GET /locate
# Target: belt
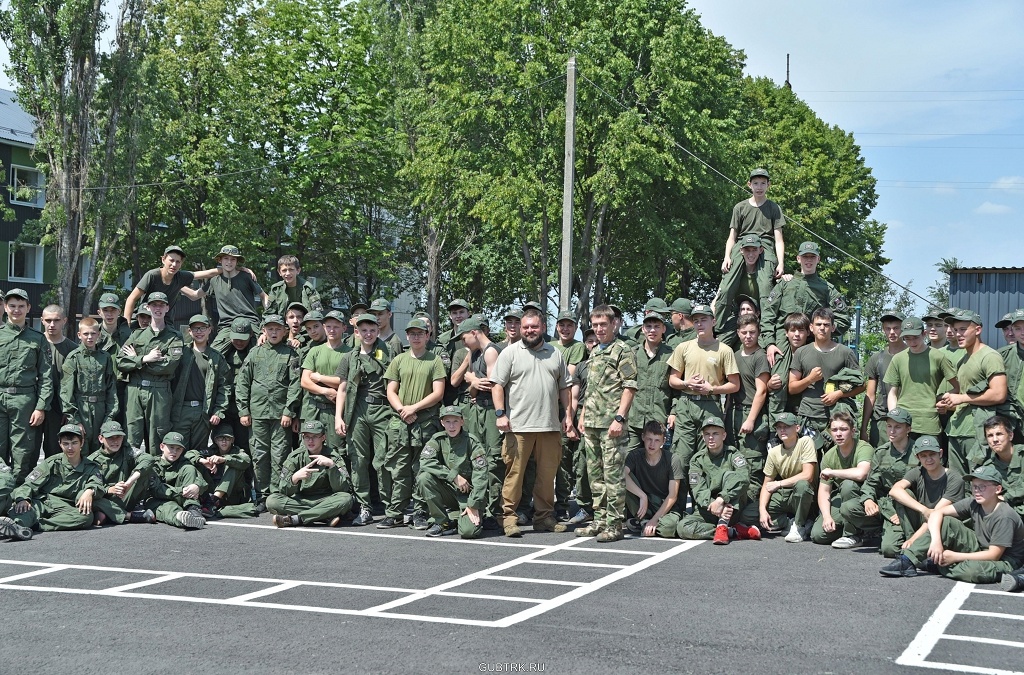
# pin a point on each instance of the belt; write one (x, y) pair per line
(17, 390)
(91, 399)
(158, 384)
(193, 404)
(487, 404)
(320, 405)
(701, 397)
(373, 400)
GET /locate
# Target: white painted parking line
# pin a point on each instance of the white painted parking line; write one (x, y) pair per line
(916, 654)
(617, 550)
(397, 608)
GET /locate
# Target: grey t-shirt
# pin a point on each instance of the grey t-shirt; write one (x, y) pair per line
(929, 492)
(532, 380)
(1003, 527)
(831, 362)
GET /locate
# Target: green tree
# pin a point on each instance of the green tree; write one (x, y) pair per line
(938, 293)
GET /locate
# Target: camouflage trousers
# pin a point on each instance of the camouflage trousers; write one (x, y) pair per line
(606, 458)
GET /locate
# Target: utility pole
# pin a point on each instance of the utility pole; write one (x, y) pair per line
(565, 272)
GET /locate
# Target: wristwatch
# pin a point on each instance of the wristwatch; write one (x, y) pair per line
(620, 419)
(499, 412)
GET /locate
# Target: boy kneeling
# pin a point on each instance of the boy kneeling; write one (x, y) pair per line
(982, 555)
(314, 485)
(453, 476)
(719, 478)
(787, 494)
(653, 479)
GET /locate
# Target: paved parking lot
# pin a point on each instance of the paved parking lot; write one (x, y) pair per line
(243, 596)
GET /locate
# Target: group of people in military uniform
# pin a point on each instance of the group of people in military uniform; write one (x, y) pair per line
(722, 421)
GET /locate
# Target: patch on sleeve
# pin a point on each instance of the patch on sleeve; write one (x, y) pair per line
(839, 303)
(739, 461)
(285, 476)
(694, 477)
(480, 461)
(293, 363)
(175, 351)
(36, 473)
(429, 451)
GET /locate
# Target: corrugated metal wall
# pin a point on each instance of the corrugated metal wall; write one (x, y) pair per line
(991, 293)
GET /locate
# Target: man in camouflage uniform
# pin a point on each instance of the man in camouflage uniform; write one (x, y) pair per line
(150, 358)
(26, 386)
(610, 390)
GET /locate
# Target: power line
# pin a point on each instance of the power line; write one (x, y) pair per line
(910, 91)
(743, 188)
(916, 133)
(919, 100)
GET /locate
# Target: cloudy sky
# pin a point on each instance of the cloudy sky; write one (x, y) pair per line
(934, 94)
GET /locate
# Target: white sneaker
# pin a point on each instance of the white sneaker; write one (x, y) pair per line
(847, 542)
(796, 534)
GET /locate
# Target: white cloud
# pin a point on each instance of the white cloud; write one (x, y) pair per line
(1012, 184)
(990, 209)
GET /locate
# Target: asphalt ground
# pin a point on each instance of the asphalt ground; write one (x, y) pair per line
(244, 597)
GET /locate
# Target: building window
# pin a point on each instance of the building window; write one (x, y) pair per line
(28, 186)
(25, 263)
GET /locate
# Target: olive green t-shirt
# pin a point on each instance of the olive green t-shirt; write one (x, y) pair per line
(979, 367)
(750, 366)
(919, 378)
(833, 459)
(806, 359)
(761, 220)
(715, 362)
(416, 377)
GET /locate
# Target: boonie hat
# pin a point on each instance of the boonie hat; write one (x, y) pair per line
(230, 251)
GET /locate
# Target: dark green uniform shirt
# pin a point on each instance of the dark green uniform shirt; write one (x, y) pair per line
(463, 455)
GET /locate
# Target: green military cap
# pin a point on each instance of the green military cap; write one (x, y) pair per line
(616, 310)
(380, 305)
(272, 319)
(111, 428)
(223, 429)
(514, 314)
(415, 324)
(369, 318)
(241, 329)
(654, 315)
(900, 416)
(681, 305)
(759, 173)
(472, 323)
(174, 438)
(451, 411)
(566, 316)
(702, 310)
(713, 422)
(1007, 320)
(741, 297)
(786, 418)
(72, 429)
(655, 304)
(334, 314)
(18, 293)
(356, 306)
(533, 305)
(459, 302)
(155, 296)
(297, 305)
(144, 309)
(892, 315)
(964, 315)
(230, 251)
(750, 241)
(911, 326)
(109, 300)
(174, 248)
(589, 331)
(949, 311)
(808, 248)
(422, 315)
(927, 444)
(315, 427)
(986, 472)
(934, 314)
(199, 318)
(315, 315)
(1017, 315)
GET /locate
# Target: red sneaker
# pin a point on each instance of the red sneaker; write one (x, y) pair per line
(747, 532)
(721, 535)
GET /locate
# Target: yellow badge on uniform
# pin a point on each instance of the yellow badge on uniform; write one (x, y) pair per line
(830, 387)
(379, 355)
